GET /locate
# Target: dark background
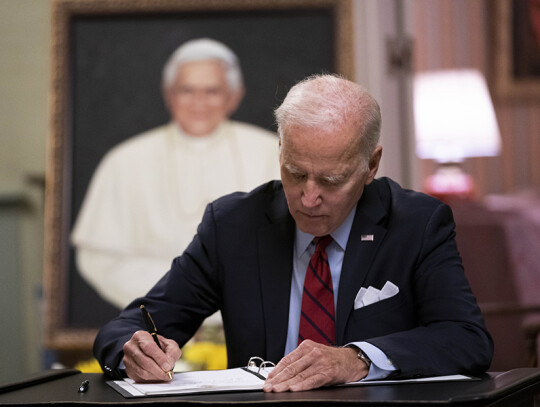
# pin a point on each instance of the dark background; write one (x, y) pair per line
(116, 63)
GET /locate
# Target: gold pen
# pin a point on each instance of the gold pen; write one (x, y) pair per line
(152, 330)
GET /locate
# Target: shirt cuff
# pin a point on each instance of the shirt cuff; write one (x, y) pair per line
(381, 366)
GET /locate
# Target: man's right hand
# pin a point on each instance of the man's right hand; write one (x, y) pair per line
(145, 362)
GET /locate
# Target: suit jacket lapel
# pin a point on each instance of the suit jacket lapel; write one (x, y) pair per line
(359, 254)
(275, 243)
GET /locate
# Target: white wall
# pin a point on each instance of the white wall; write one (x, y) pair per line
(376, 23)
(24, 82)
(24, 75)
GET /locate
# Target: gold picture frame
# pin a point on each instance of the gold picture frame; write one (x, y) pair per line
(64, 326)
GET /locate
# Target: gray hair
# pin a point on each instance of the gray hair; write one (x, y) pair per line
(203, 49)
(331, 103)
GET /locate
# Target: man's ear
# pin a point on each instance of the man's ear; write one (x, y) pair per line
(235, 97)
(374, 162)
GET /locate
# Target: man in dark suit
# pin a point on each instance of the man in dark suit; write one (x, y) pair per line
(392, 300)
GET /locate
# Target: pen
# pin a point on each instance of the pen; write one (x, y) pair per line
(152, 330)
(84, 386)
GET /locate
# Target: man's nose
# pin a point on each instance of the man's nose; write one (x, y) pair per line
(311, 196)
(200, 96)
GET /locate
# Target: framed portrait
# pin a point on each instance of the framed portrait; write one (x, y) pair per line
(515, 58)
(107, 58)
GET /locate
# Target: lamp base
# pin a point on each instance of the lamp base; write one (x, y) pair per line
(449, 183)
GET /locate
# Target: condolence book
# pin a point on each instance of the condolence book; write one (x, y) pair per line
(249, 378)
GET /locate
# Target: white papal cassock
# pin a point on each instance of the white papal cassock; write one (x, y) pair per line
(148, 195)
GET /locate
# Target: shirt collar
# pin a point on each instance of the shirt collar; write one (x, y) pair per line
(302, 240)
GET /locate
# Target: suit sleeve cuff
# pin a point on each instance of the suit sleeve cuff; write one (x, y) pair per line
(381, 366)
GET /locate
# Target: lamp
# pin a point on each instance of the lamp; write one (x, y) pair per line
(454, 119)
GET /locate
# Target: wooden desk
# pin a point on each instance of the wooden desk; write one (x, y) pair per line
(517, 387)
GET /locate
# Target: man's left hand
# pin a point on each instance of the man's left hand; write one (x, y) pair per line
(313, 365)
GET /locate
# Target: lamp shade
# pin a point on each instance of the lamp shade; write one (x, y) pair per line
(454, 116)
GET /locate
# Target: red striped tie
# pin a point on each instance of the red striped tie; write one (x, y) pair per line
(317, 320)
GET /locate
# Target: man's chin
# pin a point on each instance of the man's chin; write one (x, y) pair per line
(314, 227)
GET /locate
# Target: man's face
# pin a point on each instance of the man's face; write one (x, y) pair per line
(200, 99)
(323, 177)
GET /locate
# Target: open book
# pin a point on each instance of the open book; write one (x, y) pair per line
(249, 378)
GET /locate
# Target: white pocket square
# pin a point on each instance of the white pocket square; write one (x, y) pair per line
(371, 295)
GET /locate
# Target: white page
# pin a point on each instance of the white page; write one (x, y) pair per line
(201, 381)
(239, 380)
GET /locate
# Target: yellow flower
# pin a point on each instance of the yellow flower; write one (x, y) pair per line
(205, 355)
(88, 366)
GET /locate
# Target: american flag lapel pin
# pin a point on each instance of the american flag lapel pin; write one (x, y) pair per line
(366, 238)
